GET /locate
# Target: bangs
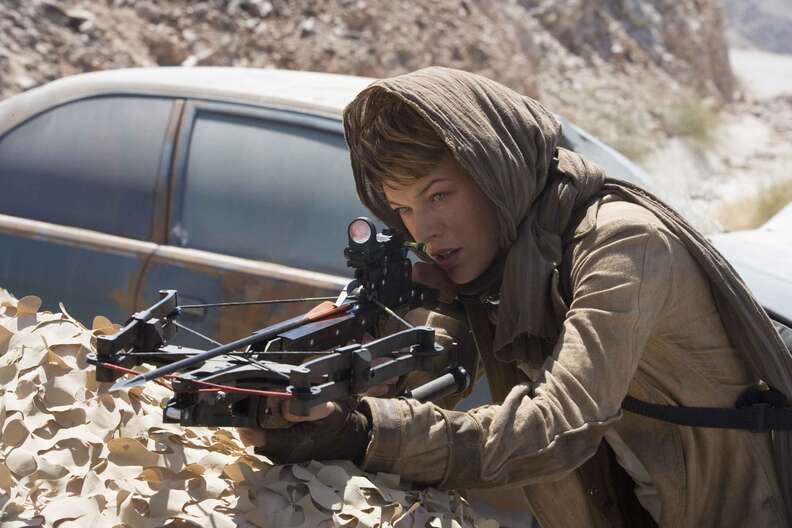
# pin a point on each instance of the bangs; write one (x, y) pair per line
(393, 143)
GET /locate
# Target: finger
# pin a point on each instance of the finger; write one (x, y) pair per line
(317, 413)
(252, 437)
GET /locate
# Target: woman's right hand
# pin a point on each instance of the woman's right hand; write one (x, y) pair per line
(432, 276)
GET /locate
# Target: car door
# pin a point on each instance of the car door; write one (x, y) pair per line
(82, 200)
(259, 209)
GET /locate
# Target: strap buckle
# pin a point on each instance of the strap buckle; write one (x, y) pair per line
(758, 400)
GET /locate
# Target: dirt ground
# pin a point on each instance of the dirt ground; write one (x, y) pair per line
(750, 153)
(765, 74)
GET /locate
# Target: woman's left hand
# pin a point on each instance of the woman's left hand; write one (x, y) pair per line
(333, 431)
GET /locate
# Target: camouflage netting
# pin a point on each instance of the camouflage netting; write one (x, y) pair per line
(74, 455)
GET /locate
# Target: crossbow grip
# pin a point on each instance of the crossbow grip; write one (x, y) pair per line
(453, 381)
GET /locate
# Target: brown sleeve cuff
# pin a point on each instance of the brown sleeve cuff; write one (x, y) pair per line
(423, 443)
(465, 441)
(385, 446)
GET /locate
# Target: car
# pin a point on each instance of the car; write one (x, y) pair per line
(763, 258)
(223, 183)
(226, 184)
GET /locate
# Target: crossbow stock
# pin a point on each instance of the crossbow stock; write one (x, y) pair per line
(313, 358)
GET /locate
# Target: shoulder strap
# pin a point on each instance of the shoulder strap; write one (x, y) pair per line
(759, 417)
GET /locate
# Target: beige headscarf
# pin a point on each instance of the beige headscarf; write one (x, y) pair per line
(506, 142)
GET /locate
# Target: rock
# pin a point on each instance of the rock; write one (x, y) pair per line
(148, 11)
(54, 12)
(81, 20)
(165, 48)
(76, 19)
(25, 83)
(257, 8)
(308, 27)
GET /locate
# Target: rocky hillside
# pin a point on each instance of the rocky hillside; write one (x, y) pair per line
(760, 24)
(575, 54)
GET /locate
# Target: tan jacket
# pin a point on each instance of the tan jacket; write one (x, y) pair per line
(642, 322)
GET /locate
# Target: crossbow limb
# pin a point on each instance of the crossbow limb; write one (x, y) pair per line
(310, 359)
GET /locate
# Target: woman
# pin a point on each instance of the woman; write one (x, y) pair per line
(579, 291)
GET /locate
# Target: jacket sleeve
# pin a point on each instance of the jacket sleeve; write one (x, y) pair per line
(620, 281)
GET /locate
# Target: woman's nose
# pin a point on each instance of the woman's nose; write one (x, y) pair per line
(426, 226)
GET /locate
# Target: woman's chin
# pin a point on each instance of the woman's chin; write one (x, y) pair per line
(460, 276)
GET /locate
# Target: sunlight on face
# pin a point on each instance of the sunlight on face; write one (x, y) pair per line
(447, 211)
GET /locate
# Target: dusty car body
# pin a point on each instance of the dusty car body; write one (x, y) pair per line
(226, 184)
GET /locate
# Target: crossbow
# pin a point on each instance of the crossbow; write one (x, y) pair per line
(316, 357)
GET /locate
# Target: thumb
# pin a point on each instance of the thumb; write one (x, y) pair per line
(317, 413)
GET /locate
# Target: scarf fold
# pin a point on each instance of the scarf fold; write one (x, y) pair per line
(507, 143)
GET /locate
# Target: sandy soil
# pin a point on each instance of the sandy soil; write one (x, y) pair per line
(747, 156)
(751, 150)
(764, 74)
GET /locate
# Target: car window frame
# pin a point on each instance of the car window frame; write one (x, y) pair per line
(164, 177)
(192, 109)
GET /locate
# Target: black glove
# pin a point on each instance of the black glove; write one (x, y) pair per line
(343, 435)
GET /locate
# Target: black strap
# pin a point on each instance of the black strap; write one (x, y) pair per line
(758, 417)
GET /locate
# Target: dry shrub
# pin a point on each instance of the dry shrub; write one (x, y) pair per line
(692, 118)
(753, 212)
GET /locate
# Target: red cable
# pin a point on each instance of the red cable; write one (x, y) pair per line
(213, 387)
(325, 309)
(228, 388)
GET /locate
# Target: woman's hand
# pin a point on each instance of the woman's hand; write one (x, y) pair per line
(258, 437)
(333, 431)
(432, 276)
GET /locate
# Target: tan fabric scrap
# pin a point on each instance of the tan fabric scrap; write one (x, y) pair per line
(73, 455)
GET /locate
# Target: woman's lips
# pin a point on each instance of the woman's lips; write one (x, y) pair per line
(449, 262)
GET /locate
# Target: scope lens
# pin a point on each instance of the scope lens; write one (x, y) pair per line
(360, 231)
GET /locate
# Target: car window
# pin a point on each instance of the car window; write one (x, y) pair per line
(278, 189)
(93, 163)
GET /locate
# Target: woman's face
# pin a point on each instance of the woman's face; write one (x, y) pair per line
(447, 211)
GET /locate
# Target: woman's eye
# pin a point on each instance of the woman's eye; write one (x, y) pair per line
(438, 196)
